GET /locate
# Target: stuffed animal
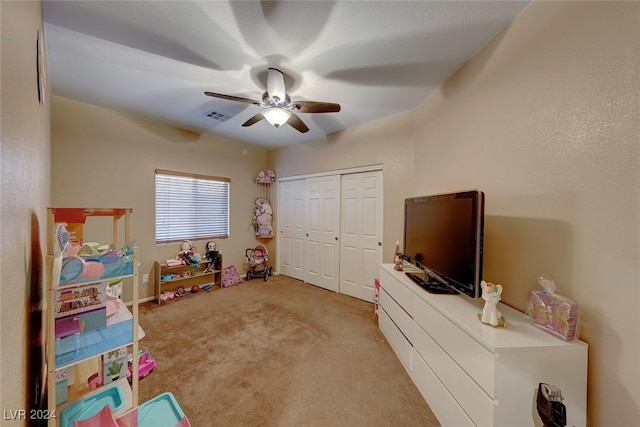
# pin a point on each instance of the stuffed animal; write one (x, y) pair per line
(491, 294)
(268, 177)
(262, 218)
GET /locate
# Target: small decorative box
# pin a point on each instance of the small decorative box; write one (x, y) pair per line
(555, 314)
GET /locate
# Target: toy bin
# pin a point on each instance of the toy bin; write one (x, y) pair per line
(91, 404)
(161, 411)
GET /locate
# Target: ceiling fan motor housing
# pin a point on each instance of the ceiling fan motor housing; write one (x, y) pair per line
(278, 108)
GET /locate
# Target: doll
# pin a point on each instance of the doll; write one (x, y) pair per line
(194, 255)
(211, 255)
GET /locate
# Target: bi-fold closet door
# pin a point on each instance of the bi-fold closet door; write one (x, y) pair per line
(331, 231)
(310, 230)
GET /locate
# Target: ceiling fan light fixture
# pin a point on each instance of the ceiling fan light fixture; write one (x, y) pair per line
(276, 116)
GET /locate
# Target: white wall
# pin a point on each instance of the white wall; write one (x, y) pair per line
(545, 120)
(24, 191)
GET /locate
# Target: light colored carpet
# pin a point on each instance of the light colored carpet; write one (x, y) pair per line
(277, 353)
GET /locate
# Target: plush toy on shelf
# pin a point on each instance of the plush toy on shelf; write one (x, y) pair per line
(212, 252)
(194, 255)
(185, 247)
(266, 177)
(212, 256)
(188, 254)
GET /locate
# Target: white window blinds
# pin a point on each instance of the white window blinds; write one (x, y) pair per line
(191, 207)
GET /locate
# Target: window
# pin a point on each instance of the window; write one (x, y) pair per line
(191, 207)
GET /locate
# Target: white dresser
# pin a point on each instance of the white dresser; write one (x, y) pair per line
(472, 374)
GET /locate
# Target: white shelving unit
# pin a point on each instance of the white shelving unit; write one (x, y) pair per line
(121, 328)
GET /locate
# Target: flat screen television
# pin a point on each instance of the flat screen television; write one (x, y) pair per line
(443, 236)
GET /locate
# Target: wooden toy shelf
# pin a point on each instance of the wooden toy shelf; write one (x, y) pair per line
(188, 277)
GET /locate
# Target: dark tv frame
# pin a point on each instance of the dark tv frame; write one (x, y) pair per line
(447, 282)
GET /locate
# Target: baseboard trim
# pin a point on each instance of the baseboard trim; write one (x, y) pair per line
(140, 300)
(153, 298)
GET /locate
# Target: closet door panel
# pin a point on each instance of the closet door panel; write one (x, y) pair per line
(293, 240)
(361, 233)
(314, 268)
(349, 262)
(350, 254)
(323, 195)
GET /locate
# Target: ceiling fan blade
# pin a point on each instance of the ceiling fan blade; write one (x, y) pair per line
(253, 120)
(275, 85)
(295, 122)
(317, 107)
(232, 98)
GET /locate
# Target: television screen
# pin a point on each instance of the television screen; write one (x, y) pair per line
(443, 236)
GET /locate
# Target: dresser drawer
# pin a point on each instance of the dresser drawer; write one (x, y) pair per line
(398, 342)
(395, 288)
(464, 390)
(400, 317)
(442, 404)
(473, 358)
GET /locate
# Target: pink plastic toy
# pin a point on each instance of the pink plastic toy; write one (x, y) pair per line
(146, 365)
(166, 296)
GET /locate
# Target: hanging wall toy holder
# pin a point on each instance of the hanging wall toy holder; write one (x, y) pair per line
(263, 218)
(263, 212)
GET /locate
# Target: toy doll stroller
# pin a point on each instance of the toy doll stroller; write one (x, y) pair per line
(258, 262)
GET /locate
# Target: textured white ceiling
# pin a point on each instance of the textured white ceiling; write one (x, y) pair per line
(154, 59)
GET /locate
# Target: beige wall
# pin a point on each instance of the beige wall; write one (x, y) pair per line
(548, 111)
(103, 158)
(387, 142)
(24, 190)
(544, 119)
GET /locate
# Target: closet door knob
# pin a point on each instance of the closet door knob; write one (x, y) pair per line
(336, 238)
(379, 243)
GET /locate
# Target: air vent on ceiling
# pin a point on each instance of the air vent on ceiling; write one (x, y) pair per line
(217, 116)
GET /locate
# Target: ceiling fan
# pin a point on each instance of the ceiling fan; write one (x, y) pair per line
(277, 106)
